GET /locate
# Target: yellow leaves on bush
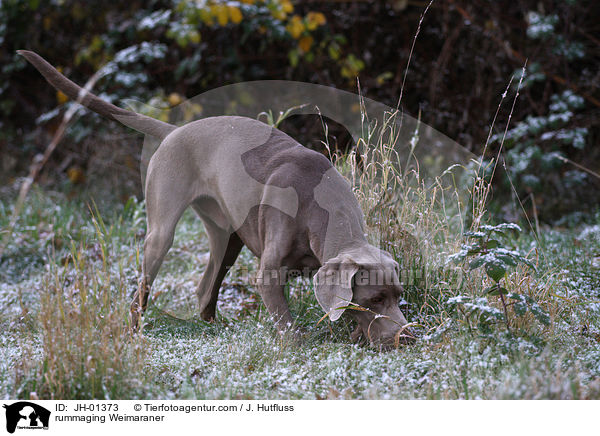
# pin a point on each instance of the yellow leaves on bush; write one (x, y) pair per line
(384, 77)
(490, 25)
(351, 67)
(194, 36)
(174, 99)
(314, 20)
(334, 50)
(287, 6)
(61, 98)
(235, 14)
(75, 175)
(47, 23)
(280, 8)
(278, 14)
(295, 26)
(192, 111)
(305, 43)
(78, 11)
(163, 115)
(93, 54)
(205, 16)
(220, 12)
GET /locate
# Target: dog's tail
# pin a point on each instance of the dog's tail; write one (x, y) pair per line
(75, 92)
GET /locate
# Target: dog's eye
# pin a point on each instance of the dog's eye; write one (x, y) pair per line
(377, 300)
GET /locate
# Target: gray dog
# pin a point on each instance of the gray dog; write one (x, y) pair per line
(253, 185)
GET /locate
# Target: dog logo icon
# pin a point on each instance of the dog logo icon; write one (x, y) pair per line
(26, 415)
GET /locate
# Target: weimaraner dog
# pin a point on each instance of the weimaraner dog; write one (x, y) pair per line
(253, 185)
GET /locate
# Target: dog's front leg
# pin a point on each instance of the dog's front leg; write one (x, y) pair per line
(139, 303)
(270, 281)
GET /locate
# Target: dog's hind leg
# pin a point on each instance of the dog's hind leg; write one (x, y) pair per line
(164, 211)
(224, 250)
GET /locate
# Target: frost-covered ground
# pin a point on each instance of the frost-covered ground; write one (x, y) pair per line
(63, 276)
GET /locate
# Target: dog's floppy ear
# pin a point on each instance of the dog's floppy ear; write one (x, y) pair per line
(333, 285)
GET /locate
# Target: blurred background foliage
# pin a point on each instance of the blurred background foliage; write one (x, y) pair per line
(463, 60)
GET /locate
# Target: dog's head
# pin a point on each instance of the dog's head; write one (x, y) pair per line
(364, 282)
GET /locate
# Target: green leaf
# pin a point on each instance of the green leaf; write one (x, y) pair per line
(515, 296)
(334, 51)
(476, 235)
(506, 259)
(529, 300)
(497, 290)
(495, 270)
(457, 257)
(294, 57)
(492, 243)
(501, 228)
(524, 303)
(476, 263)
(520, 308)
(484, 327)
(473, 248)
(459, 299)
(540, 314)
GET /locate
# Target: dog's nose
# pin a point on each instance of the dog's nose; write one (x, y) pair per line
(402, 338)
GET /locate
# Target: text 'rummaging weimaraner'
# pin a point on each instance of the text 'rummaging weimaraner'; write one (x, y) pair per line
(253, 185)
